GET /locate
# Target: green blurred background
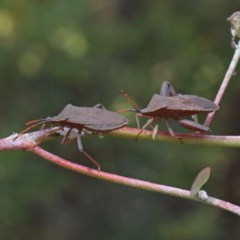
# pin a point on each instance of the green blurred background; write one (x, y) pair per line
(54, 52)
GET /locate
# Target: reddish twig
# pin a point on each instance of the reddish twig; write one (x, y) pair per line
(225, 82)
(177, 192)
(188, 138)
(28, 142)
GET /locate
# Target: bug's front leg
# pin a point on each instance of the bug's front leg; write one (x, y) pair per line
(147, 124)
(192, 125)
(167, 90)
(66, 133)
(154, 132)
(137, 119)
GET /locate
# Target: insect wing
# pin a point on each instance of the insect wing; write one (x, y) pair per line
(64, 114)
(97, 119)
(157, 102)
(91, 118)
(190, 103)
(201, 102)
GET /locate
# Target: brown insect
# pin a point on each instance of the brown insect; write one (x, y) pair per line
(169, 104)
(75, 122)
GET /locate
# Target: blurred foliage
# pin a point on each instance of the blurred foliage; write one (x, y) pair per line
(55, 52)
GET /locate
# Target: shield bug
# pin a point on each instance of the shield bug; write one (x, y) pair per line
(169, 104)
(75, 122)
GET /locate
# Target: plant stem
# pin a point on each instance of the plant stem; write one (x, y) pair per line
(28, 142)
(228, 75)
(193, 138)
(145, 185)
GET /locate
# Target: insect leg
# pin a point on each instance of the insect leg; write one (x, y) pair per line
(65, 138)
(43, 126)
(171, 132)
(51, 131)
(148, 123)
(137, 119)
(195, 118)
(155, 129)
(154, 132)
(192, 125)
(80, 147)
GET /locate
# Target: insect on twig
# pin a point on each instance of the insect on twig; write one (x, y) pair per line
(75, 122)
(169, 104)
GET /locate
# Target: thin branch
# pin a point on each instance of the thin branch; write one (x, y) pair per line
(28, 142)
(145, 185)
(230, 72)
(129, 132)
(190, 138)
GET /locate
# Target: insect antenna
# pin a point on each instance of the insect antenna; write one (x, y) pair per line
(35, 121)
(32, 124)
(130, 101)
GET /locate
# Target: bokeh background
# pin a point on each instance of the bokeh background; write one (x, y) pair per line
(54, 52)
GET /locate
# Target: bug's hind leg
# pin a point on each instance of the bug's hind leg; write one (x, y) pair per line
(171, 132)
(192, 125)
(80, 147)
